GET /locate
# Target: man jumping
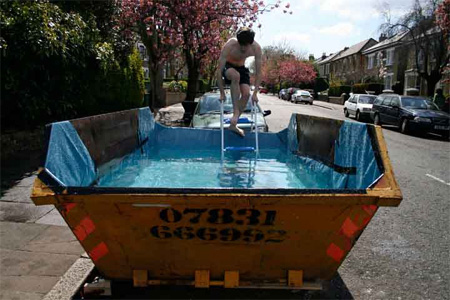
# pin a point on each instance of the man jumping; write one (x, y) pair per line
(232, 69)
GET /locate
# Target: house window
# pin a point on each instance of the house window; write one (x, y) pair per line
(370, 62)
(388, 81)
(421, 60)
(327, 69)
(379, 58)
(389, 57)
(411, 80)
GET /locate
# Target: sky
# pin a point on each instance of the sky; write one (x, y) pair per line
(318, 26)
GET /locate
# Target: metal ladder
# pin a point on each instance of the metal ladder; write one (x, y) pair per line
(240, 149)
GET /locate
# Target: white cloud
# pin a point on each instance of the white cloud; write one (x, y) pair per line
(342, 29)
(354, 10)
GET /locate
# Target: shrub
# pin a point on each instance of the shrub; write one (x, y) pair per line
(320, 85)
(63, 68)
(336, 91)
(360, 88)
(376, 87)
(177, 86)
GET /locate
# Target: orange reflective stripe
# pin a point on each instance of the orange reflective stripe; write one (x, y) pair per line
(335, 252)
(99, 251)
(85, 228)
(349, 228)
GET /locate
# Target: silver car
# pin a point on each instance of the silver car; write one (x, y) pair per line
(207, 114)
(302, 96)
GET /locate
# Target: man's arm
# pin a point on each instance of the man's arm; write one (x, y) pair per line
(258, 57)
(222, 62)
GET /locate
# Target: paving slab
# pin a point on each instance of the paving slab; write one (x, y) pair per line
(22, 212)
(16, 262)
(55, 239)
(30, 284)
(27, 181)
(17, 194)
(15, 295)
(53, 217)
(15, 236)
(72, 280)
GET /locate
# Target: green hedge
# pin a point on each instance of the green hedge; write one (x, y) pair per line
(336, 91)
(57, 65)
(376, 87)
(177, 86)
(360, 88)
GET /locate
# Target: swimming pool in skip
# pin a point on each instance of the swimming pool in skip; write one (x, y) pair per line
(310, 154)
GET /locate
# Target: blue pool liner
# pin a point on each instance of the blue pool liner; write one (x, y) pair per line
(69, 162)
(68, 159)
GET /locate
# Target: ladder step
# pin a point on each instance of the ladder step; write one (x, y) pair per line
(240, 149)
(241, 121)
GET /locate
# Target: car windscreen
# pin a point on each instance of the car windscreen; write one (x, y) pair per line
(366, 99)
(418, 103)
(211, 104)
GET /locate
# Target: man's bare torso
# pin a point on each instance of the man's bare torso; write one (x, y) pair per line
(237, 54)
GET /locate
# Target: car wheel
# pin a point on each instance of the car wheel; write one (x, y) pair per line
(404, 127)
(310, 103)
(376, 120)
(358, 116)
(346, 113)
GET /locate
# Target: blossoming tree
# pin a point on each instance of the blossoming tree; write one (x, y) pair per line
(194, 25)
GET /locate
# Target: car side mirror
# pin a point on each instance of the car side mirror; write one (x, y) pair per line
(266, 113)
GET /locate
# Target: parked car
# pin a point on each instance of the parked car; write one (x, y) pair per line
(410, 114)
(302, 96)
(263, 91)
(359, 105)
(207, 114)
(282, 94)
(312, 92)
(290, 92)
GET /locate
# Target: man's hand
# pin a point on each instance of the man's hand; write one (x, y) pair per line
(255, 97)
(222, 96)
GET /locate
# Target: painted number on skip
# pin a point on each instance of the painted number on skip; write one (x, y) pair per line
(219, 216)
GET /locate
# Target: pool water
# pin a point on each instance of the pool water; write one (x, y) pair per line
(164, 168)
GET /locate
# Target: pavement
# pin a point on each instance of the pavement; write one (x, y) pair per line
(37, 249)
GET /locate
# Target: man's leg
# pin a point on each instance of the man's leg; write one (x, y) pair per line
(234, 77)
(245, 96)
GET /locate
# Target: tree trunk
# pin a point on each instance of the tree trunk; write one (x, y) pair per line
(432, 80)
(193, 74)
(156, 82)
(211, 78)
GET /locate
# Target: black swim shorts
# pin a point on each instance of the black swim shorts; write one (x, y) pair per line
(243, 71)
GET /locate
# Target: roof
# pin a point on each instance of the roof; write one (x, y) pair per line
(386, 43)
(354, 49)
(329, 57)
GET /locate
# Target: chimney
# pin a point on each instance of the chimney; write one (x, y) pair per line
(324, 55)
(382, 37)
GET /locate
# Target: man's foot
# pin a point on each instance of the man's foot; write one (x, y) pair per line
(236, 130)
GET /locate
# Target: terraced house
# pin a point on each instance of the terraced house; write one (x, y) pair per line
(349, 65)
(404, 60)
(387, 62)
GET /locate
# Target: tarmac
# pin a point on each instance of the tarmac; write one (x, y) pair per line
(40, 258)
